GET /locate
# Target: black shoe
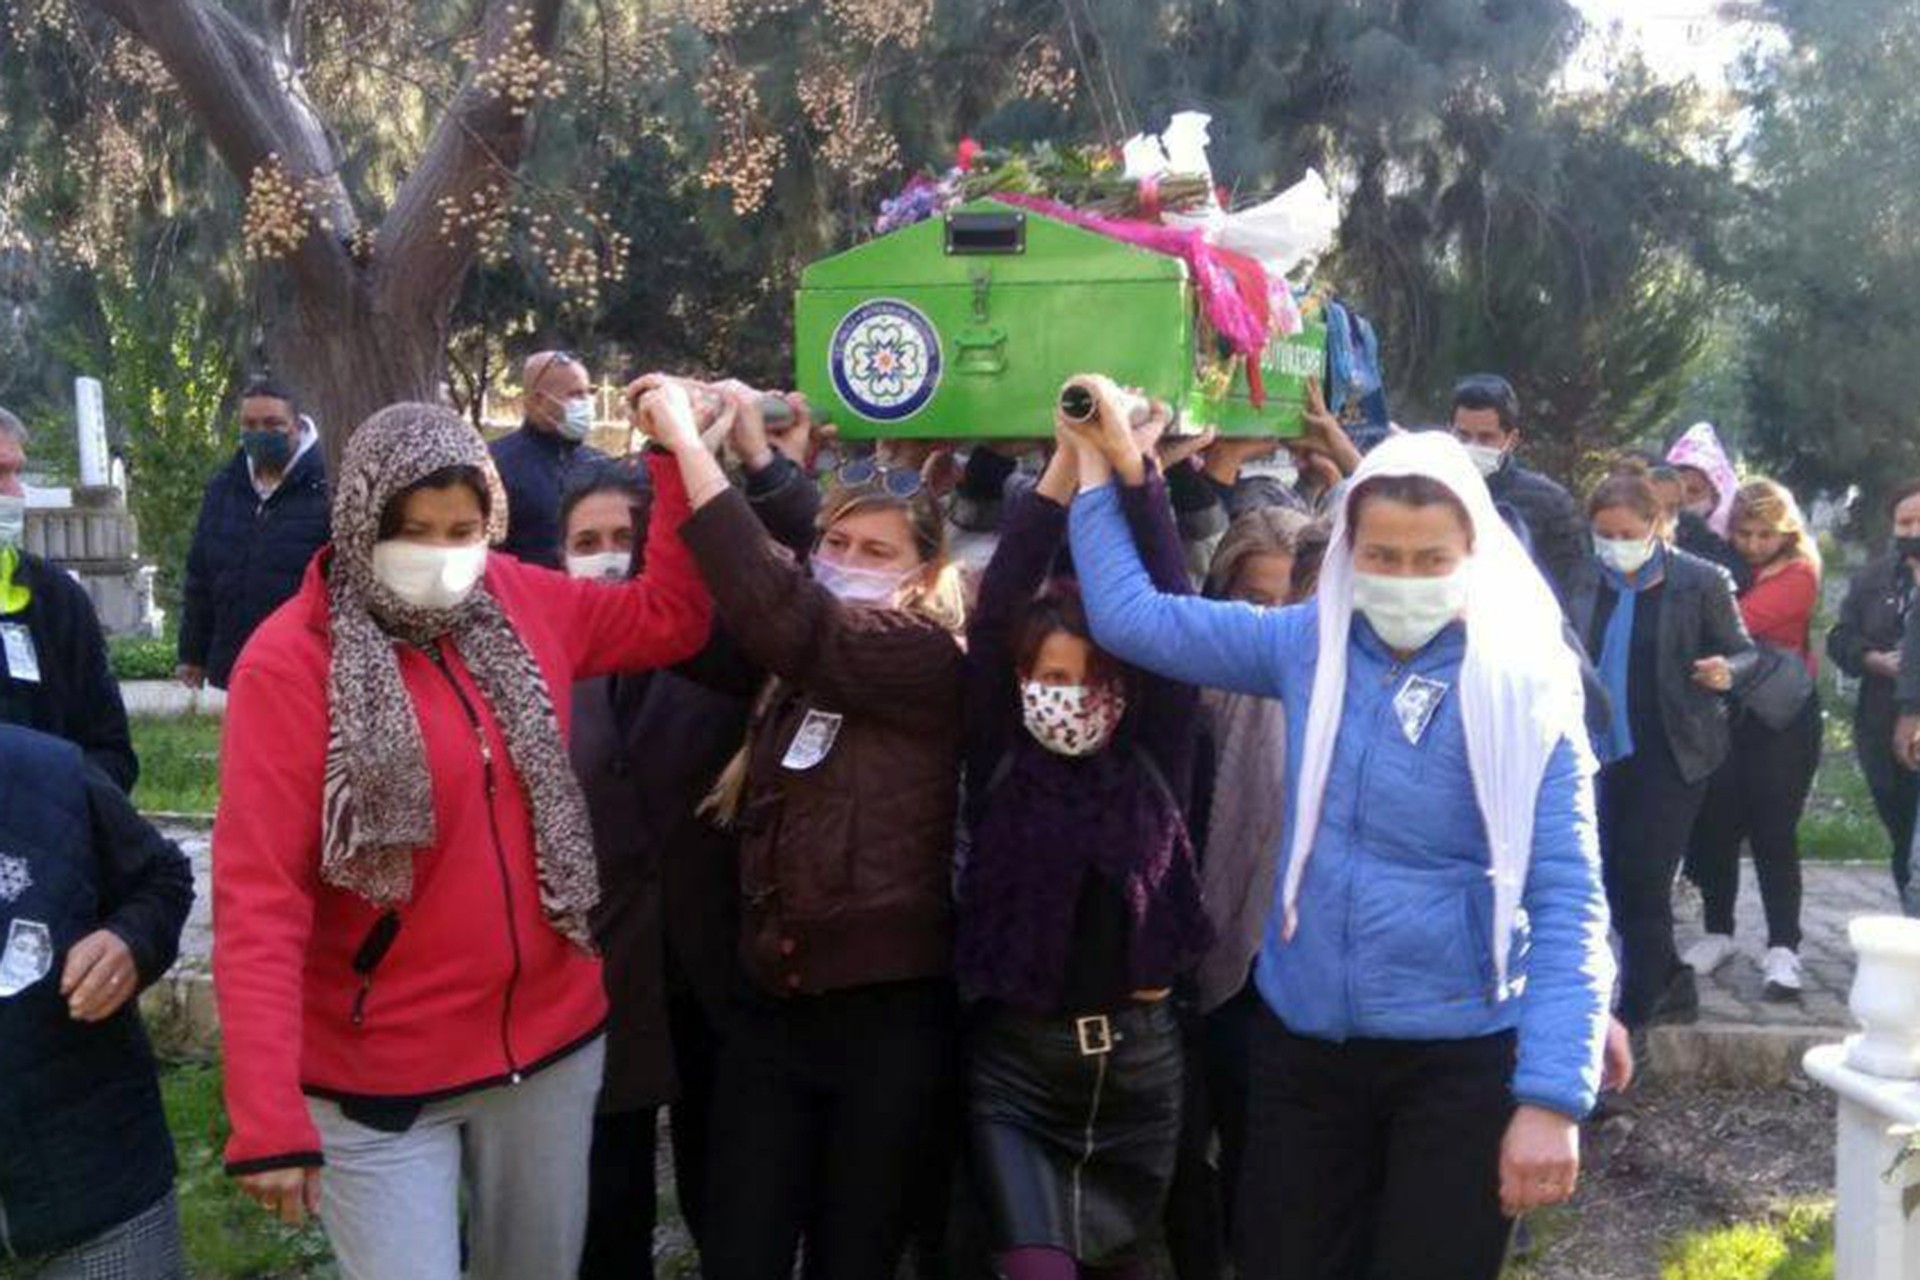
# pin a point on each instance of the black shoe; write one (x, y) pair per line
(1680, 1004)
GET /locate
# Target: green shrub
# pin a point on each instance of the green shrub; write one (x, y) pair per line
(138, 658)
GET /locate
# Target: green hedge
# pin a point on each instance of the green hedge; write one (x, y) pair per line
(136, 658)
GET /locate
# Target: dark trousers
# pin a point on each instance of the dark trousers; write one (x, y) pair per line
(836, 1113)
(621, 1205)
(1206, 1178)
(1896, 791)
(1647, 812)
(1373, 1159)
(1758, 796)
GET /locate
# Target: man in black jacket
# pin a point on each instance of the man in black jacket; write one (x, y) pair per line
(261, 520)
(1486, 418)
(546, 456)
(54, 676)
(1865, 643)
(92, 901)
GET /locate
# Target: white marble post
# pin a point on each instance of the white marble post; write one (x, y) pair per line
(1875, 1237)
(90, 412)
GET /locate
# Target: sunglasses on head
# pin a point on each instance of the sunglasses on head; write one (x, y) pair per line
(863, 473)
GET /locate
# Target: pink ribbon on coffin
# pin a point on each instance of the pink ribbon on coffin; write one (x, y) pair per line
(1233, 287)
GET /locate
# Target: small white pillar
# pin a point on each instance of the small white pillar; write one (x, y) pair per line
(1874, 1237)
(91, 413)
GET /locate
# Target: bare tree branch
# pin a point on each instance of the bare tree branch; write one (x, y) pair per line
(251, 106)
(479, 141)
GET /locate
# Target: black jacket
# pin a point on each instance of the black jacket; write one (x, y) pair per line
(248, 557)
(1693, 535)
(76, 697)
(1906, 692)
(648, 748)
(1874, 619)
(83, 1141)
(536, 468)
(1698, 619)
(1555, 533)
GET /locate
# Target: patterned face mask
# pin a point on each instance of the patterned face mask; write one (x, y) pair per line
(1072, 719)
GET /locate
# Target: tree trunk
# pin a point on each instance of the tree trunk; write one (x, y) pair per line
(347, 362)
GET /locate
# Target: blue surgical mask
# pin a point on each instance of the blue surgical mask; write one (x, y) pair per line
(13, 520)
(859, 586)
(268, 450)
(577, 422)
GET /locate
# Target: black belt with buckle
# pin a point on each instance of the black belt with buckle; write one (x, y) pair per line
(1096, 1035)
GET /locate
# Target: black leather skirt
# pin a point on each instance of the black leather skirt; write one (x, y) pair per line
(1074, 1125)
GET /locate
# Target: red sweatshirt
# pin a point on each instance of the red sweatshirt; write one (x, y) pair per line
(476, 988)
(1778, 608)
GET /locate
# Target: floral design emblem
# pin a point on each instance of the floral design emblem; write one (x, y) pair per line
(14, 878)
(885, 360)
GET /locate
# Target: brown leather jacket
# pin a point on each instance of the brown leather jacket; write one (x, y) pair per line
(847, 825)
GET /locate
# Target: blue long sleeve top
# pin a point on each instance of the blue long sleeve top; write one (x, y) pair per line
(1396, 905)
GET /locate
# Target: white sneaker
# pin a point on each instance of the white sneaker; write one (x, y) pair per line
(1782, 970)
(1708, 954)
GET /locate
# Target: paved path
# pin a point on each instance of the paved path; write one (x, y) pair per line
(1744, 1038)
(1834, 894)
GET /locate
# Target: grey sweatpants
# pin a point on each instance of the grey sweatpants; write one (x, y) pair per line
(390, 1202)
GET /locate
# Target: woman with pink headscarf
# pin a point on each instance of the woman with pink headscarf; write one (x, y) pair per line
(1708, 483)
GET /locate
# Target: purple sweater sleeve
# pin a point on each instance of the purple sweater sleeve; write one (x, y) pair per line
(1032, 533)
(1164, 723)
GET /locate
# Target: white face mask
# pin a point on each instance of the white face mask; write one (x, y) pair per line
(1486, 458)
(429, 577)
(1623, 555)
(610, 566)
(1408, 612)
(859, 586)
(1702, 508)
(13, 520)
(576, 423)
(1071, 719)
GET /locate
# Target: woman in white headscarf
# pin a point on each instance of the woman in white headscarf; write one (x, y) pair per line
(1435, 974)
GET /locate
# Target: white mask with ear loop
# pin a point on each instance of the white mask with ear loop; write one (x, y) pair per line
(429, 577)
(1486, 458)
(1406, 613)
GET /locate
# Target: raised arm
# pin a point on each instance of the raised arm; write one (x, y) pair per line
(1213, 643)
(1034, 529)
(1167, 706)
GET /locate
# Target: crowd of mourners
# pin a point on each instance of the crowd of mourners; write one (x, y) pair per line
(1112, 851)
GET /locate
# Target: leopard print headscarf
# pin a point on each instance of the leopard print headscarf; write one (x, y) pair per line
(379, 793)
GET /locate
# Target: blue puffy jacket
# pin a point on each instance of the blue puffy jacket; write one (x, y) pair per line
(1396, 907)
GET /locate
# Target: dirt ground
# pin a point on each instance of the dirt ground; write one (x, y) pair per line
(1685, 1159)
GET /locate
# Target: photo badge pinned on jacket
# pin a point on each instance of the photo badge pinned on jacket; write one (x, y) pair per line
(1415, 704)
(815, 738)
(28, 957)
(23, 660)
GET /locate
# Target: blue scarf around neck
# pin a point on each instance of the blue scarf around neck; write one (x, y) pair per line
(1616, 650)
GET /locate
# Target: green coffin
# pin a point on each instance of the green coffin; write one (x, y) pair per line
(966, 326)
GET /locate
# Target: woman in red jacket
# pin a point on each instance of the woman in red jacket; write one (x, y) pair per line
(1759, 794)
(403, 868)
